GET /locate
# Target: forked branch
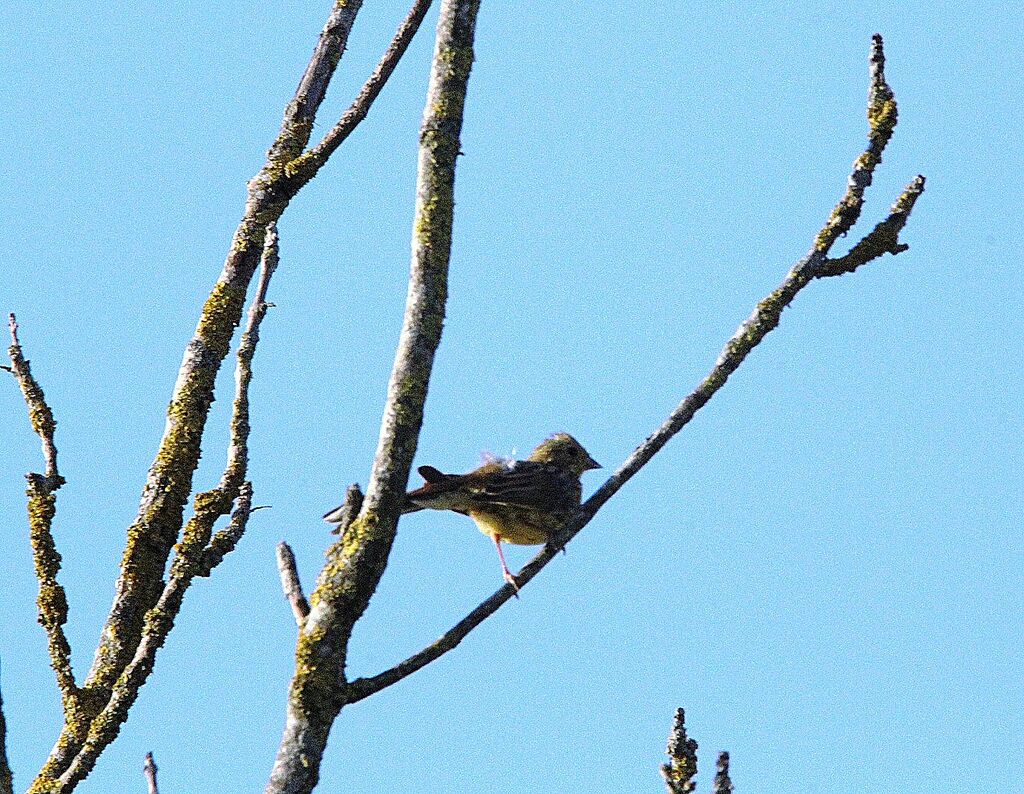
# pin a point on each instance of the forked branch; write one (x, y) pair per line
(356, 562)
(42, 507)
(158, 524)
(816, 264)
(197, 554)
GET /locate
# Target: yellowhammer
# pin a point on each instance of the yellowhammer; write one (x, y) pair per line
(516, 501)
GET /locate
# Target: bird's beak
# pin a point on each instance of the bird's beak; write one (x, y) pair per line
(592, 464)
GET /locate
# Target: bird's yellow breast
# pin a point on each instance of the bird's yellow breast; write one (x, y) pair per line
(512, 526)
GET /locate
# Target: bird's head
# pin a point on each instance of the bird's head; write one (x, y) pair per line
(566, 452)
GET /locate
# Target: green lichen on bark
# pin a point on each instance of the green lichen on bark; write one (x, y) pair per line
(151, 537)
(882, 117)
(680, 771)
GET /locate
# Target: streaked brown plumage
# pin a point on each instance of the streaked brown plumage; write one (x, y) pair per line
(522, 502)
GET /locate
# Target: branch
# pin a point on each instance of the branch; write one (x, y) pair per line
(305, 736)
(722, 785)
(290, 583)
(149, 770)
(213, 504)
(159, 520)
(159, 622)
(882, 115)
(6, 778)
(309, 163)
(169, 483)
(883, 239)
(42, 506)
(39, 412)
(356, 562)
(749, 334)
(301, 111)
(197, 554)
(681, 769)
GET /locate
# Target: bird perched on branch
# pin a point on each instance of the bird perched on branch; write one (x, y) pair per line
(523, 502)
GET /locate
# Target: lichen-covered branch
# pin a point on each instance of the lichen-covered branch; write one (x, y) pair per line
(197, 549)
(681, 769)
(301, 111)
(42, 507)
(309, 163)
(356, 562)
(169, 483)
(6, 778)
(196, 555)
(290, 583)
(308, 722)
(762, 321)
(722, 785)
(149, 769)
(883, 239)
(159, 622)
(882, 116)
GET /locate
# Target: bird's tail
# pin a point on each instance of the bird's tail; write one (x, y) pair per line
(339, 515)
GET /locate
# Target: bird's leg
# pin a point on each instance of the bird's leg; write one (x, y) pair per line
(504, 568)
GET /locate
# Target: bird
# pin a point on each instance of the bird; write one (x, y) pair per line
(522, 502)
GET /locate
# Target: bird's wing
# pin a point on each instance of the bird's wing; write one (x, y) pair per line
(525, 483)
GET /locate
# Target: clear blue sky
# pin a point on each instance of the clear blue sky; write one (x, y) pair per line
(824, 568)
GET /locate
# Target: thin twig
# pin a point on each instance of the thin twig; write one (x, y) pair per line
(290, 583)
(680, 771)
(39, 412)
(750, 333)
(149, 770)
(42, 507)
(6, 778)
(356, 562)
(312, 160)
(722, 785)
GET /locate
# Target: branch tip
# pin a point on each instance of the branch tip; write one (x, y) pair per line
(681, 769)
(290, 583)
(723, 784)
(149, 769)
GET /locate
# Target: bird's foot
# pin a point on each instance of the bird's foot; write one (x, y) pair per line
(512, 581)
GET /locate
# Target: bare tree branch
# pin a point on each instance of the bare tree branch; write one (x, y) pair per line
(169, 483)
(39, 412)
(680, 771)
(159, 622)
(6, 778)
(290, 583)
(722, 785)
(301, 111)
(42, 507)
(160, 516)
(197, 554)
(149, 770)
(764, 319)
(882, 115)
(310, 162)
(356, 562)
(305, 734)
